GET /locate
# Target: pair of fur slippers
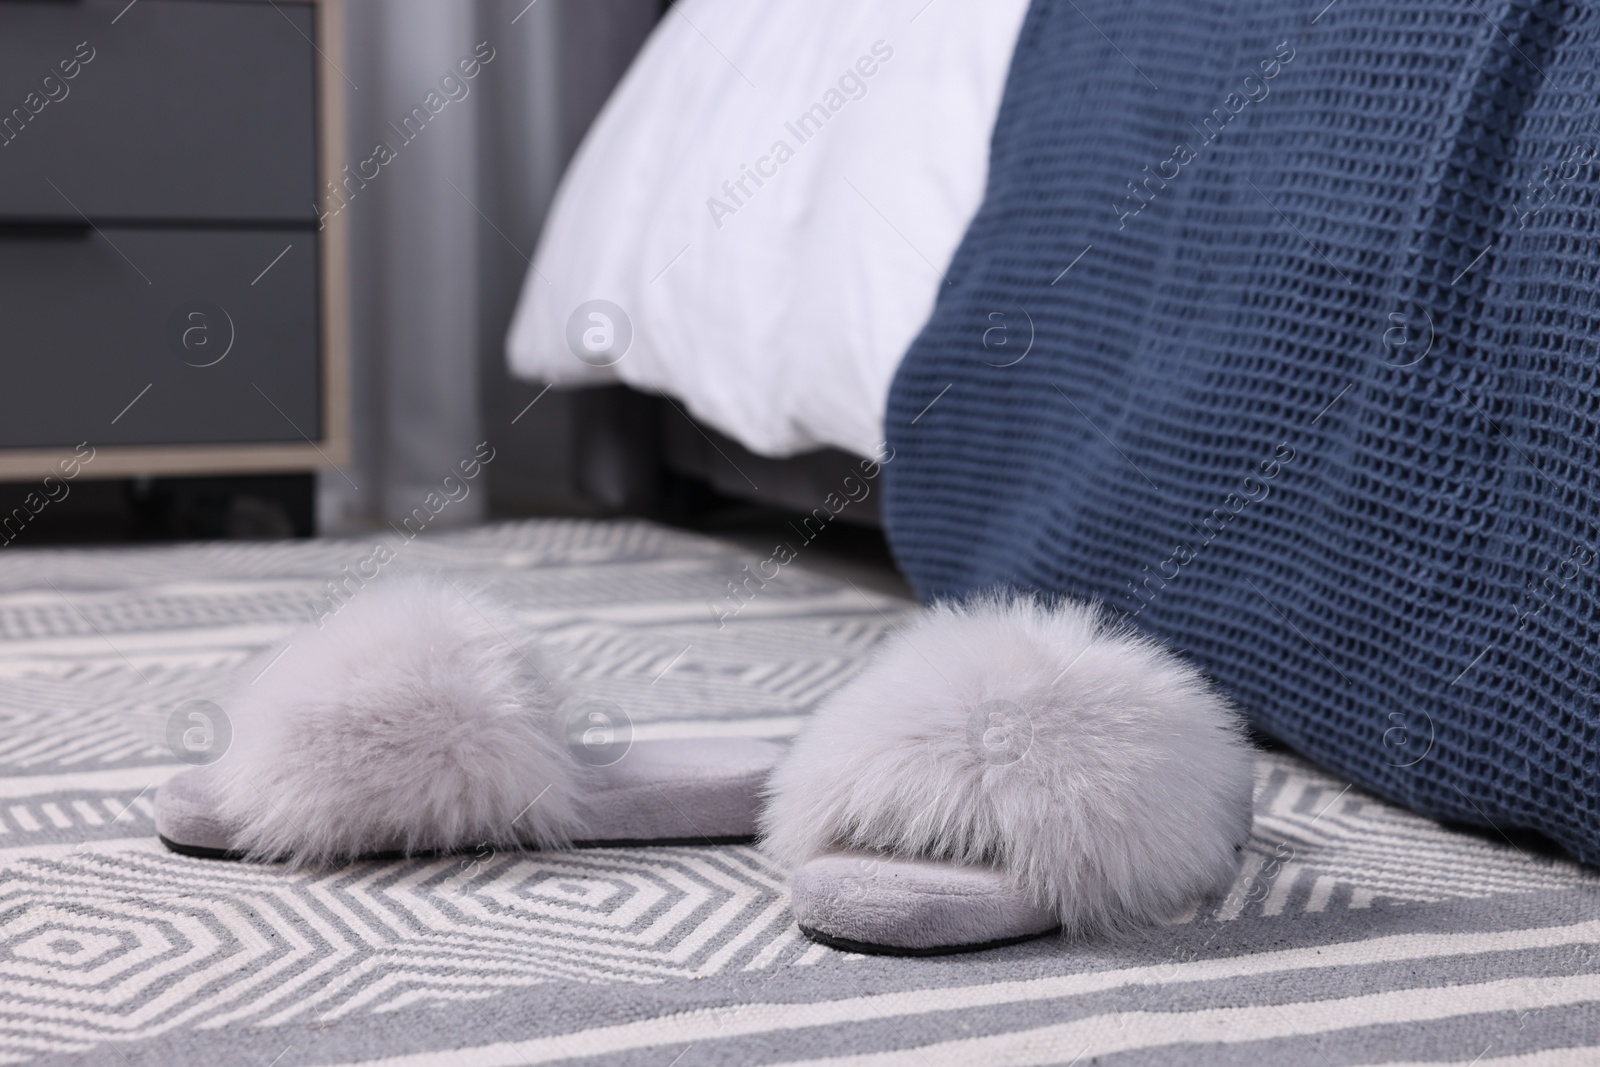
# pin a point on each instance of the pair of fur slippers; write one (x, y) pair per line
(1000, 770)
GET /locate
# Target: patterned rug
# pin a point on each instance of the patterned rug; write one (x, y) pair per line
(1356, 933)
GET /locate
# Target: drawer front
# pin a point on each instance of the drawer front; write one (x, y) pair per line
(185, 109)
(157, 337)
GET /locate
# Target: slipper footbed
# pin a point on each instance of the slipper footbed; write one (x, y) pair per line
(888, 905)
(665, 792)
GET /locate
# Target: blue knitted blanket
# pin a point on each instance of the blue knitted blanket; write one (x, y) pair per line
(1277, 331)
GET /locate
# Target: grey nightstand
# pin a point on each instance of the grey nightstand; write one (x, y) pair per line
(167, 293)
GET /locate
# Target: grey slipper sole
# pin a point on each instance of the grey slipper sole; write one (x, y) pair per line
(671, 792)
(888, 906)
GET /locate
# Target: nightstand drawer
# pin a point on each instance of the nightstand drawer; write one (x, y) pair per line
(180, 110)
(158, 337)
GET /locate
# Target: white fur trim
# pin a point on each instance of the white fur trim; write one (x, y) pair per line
(1096, 768)
(408, 721)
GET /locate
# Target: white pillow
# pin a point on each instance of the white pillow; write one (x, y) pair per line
(776, 305)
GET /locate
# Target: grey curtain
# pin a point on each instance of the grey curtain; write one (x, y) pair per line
(463, 163)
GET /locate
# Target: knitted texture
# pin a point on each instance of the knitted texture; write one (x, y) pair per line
(1277, 330)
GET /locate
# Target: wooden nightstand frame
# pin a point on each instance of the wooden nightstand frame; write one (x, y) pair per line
(333, 448)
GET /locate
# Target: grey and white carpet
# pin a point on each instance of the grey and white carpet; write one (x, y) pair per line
(1356, 933)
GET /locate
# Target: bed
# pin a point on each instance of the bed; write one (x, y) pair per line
(750, 236)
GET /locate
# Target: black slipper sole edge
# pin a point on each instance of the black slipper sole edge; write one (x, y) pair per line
(866, 948)
(664, 842)
(206, 853)
(199, 852)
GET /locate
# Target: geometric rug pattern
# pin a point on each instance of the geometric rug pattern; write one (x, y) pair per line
(114, 950)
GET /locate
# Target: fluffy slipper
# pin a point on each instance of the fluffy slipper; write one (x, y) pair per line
(1003, 769)
(410, 723)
